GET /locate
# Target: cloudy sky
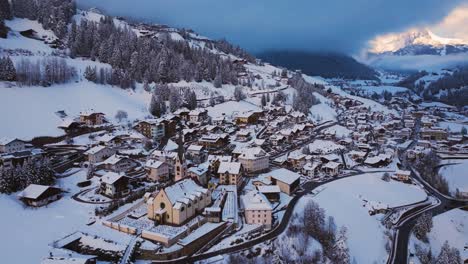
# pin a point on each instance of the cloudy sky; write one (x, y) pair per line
(315, 25)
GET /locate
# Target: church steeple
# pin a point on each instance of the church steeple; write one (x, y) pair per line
(180, 165)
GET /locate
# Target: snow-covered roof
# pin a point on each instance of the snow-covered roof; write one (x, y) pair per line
(153, 164)
(229, 167)
(284, 175)
(94, 150)
(114, 159)
(269, 189)
(331, 165)
(65, 260)
(6, 140)
(182, 191)
(33, 191)
(111, 177)
(171, 146)
(403, 172)
(194, 147)
(252, 153)
(254, 200)
(212, 158)
(199, 170)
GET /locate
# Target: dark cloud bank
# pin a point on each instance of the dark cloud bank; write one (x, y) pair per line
(312, 25)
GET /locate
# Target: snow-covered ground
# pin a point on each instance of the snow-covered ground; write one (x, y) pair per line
(31, 230)
(380, 89)
(456, 175)
(32, 109)
(339, 131)
(230, 108)
(451, 226)
(322, 112)
(454, 127)
(343, 199)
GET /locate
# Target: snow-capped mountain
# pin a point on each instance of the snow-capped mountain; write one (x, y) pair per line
(417, 42)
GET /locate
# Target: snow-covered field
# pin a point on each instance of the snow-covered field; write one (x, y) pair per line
(31, 230)
(343, 199)
(339, 131)
(456, 175)
(230, 108)
(451, 226)
(30, 111)
(322, 112)
(455, 127)
(381, 89)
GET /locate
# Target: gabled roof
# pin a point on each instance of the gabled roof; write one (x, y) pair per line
(153, 164)
(254, 200)
(183, 191)
(111, 177)
(94, 150)
(34, 191)
(6, 141)
(284, 175)
(229, 167)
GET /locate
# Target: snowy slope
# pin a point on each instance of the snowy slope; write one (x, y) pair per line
(33, 108)
(345, 204)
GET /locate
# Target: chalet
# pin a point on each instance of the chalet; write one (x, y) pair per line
(9, 145)
(297, 160)
(277, 140)
(214, 141)
(247, 118)
(151, 128)
(178, 203)
(297, 117)
(196, 153)
(357, 156)
(230, 173)
(114, 185)
(39, 195)
(157, 170)
(219, 120)
(183, 114)
(434, 133)
(379, 160)
(98, 153)
(402, 175)
(311, 169)
(271, 192)
(215, 160)
(332, 168)
(199, 173)
(198, 115)
(287, 180)
(91, 118)
(404, 133)
(243, 136)
(118, 163)
(70, 126)
(257, 209)
(20, 158)
(254, 159)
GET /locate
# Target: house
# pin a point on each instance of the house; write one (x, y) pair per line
(198, 115)
(70, 126)
(332, 168)
(214, 141)
(379, 160)
(178, 203)
(254, 159)
(114, 185)
(20, 158)
(434, 133)
(271, 192)
(310, 169)
(182, 113)
(39, 195)
(196, 153)
(243, 136)
(230, 173)
(215, 160)
(297, 160)
(9, 145)
(257, 209)
(151, 128)
(200, 173)
(288, 181)
(118, 163)
(91, 118)
(99, 153)
(277, 139)
(246, 118)
(402, 175)
(357, 156)
(157, 170)
(168, 157)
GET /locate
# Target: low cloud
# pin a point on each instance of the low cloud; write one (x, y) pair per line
(420, 62)
(313, 25)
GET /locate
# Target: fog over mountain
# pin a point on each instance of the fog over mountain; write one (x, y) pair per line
(311, 25)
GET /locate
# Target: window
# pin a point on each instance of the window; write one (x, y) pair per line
(189, 205)
(162, 205)
(182, 209)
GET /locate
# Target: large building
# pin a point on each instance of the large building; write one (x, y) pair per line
(99, 153)
(257, 209)
(151, 128)
(91, 118)
(230, 173)
(9, 145)
(157, 170)
(254, 160)
(178, 203)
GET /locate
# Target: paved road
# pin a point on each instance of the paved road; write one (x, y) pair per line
(404, 230)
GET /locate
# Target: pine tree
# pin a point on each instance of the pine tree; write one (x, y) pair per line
(264, 100)
(7, 69)
(218, 81)
(5, 10)
(155, 106)
(90, 74)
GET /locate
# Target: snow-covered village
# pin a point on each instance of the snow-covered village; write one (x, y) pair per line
(126, 140)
